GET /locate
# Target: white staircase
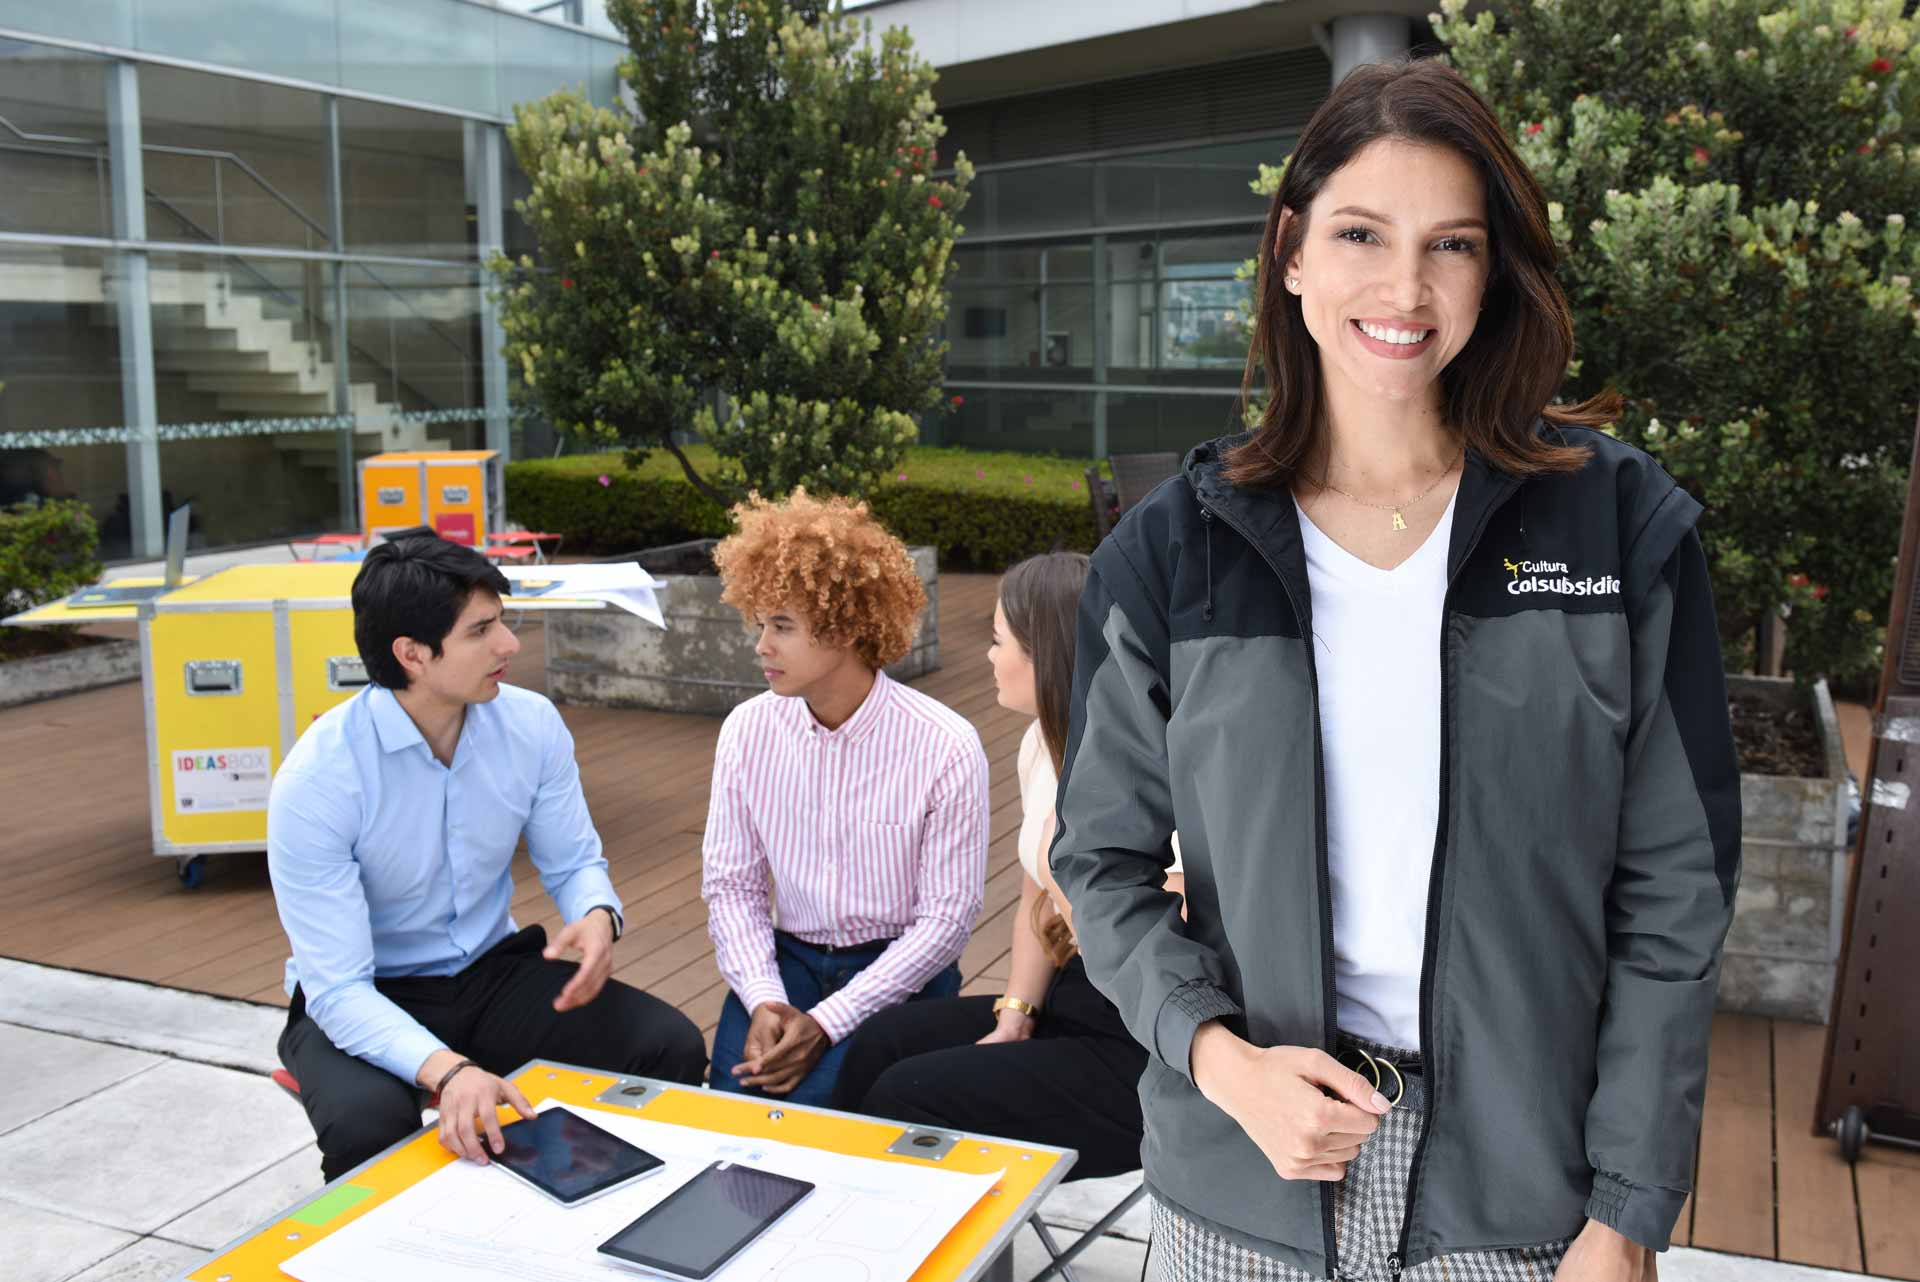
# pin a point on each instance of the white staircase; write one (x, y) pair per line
(251, 364)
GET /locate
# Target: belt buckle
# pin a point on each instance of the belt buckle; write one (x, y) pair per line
(1373, 1065)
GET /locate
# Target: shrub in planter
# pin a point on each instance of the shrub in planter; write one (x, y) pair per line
(47, 550)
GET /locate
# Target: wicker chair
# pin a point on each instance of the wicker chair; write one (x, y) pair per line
(1134, 477)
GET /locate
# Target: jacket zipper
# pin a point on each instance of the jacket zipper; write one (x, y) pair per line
(1329, 1000)
(1427, 1059)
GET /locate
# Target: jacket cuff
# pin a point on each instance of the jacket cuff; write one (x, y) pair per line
(1645, 1213)
(1186, 1008)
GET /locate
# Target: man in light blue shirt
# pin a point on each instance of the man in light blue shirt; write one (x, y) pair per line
(391, 832)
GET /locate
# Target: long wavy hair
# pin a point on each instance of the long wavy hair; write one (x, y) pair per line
(1504, 379)
(1041, 599)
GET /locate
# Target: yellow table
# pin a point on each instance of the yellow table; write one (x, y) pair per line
(980, 1246)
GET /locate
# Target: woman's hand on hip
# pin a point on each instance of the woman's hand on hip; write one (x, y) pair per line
(1308, 1112)
(1600, 1254)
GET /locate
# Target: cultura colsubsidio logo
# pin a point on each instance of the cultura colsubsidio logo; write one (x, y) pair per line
(1552, 577)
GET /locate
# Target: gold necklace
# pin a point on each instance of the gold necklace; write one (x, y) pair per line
(1399, 522)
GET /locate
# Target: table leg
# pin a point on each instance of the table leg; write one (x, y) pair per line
(1001, 1270)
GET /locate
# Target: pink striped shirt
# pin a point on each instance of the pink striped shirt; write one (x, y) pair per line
(876, 830)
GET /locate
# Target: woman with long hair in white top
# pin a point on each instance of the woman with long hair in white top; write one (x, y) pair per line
(1049, 1061)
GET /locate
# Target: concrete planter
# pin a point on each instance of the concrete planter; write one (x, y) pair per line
(1784, 946)
(704, 661)
(69, 672)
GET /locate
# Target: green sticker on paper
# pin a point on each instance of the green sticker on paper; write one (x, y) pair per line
(331, 1205)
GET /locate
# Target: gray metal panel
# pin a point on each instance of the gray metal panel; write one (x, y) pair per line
(283, 675)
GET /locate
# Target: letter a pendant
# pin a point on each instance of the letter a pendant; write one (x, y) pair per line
(1398, 523)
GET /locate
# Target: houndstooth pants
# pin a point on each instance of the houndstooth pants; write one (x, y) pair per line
(1368, 1206)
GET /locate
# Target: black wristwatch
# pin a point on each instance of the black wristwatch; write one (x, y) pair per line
(619, 927)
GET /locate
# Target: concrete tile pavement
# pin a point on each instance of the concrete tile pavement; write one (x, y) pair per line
(141, 1133)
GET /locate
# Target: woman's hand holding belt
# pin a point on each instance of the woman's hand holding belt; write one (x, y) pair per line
(1280, 1097)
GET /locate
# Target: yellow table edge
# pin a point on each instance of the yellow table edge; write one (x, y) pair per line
(1032, 1170)
(59, 612)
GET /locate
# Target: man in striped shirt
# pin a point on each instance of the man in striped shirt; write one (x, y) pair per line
(854, 805)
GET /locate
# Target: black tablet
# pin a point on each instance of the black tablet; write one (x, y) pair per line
(569, 1158)
(706, 1221)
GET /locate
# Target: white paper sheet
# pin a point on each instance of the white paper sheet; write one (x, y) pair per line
(618, 583)
(866, 1221)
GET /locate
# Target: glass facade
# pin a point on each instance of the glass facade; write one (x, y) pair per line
(222, 282)
(1096, 308)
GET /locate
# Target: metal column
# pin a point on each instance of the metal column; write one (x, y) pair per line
(1367, 37)
(342, 389)
(489, 198)
(133, 303)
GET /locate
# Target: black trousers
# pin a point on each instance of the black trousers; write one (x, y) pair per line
(499, 1013)
(1073, 1084)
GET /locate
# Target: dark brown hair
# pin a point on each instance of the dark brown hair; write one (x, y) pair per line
(1503, 379)
(1041, 599)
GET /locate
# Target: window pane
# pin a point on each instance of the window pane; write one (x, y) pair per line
(1143, 421)
(292, 38)
(233, 161)
(55, 178)
(1200, 324)
(242, 356)
(403, 177)
(1041, 198)
(1012, 418)
(60, 361)
(1189, 184)
(537, 58)
(442, 53)
(107, 22)
(414, 341)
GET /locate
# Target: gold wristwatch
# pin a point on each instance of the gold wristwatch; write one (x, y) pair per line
(1014, 1003)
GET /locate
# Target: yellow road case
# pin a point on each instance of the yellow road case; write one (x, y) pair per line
(233, 669)
(456, 492)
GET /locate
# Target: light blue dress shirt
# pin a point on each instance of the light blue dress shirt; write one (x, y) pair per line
(386, 863)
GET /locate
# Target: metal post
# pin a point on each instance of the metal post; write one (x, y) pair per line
(489, 199)
(1102, 323)
(133, 302)
(1367, 37)
(342, 389)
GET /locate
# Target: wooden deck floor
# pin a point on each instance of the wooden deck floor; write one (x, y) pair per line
(83, 890)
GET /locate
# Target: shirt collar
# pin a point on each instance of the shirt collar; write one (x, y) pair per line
(391, 722)
(855, 727)
(398, 732)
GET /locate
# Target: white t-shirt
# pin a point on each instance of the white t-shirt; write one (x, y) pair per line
(1038, 787)
(1376, 649)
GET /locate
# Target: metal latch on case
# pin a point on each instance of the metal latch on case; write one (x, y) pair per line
(392, 495)
(213, 676)
(453, 494)
(346, 672)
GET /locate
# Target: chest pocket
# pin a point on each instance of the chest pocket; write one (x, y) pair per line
(887, 858)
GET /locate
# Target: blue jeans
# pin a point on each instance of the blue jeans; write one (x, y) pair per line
(811, 974)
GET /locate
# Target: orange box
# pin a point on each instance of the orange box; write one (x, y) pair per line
(456, 492)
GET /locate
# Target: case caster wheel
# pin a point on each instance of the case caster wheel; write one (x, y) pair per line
(192, 872)
(1851, 1130)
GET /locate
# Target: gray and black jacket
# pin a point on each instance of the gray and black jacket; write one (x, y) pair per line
(1583, 869)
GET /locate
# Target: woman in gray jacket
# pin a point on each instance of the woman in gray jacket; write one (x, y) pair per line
(1424, 671)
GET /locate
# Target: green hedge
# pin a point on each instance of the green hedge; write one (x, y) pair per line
(982, 511)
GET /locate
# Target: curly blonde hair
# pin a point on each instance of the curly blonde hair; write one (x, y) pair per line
(830, 560)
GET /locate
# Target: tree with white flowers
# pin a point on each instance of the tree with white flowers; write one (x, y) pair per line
(758, 256)
(1730, 182)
